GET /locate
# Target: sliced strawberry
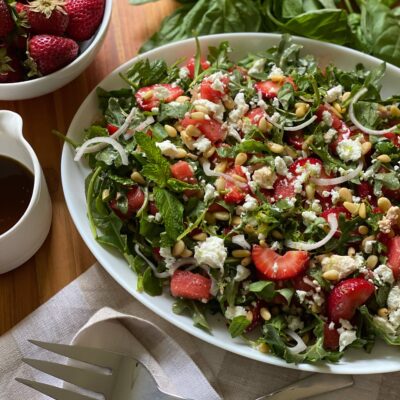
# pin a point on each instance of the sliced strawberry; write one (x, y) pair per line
(296, 139)
(236, 194)
(284, 188)
(190, 285)
(343, 132)
(210, 128)
(190, 65)
(273, 266)
(336, 121)
(296, 167)
(182, 171)
(365, 190)
(111, 129)
(270, 89)
(347, 296)
(208, 93)
(394, 256)
(160, 92)
(135, 197)
(215, 207)
(255, 115)
(331, 338)
(300, 284)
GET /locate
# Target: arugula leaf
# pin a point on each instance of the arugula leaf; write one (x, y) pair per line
(266, 291)
(195, 309)
(286, 95)
(172, 111)
(389, 180)
(367, 113)
(238, 325)
(146, 73)
(171, 209)
(151, 284)
(156, 167)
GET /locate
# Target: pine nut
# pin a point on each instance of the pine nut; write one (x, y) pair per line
(263, 348)
(395, 111)
(362, 212)
(291, 152)
(248, 229)
(137, 177)
(345, 96)
(245, 261)
(236, 220)
(301, 109)
(331, 275)
(221, 167)
(372, 261)
(240, 253)
(179, 127)
(351, 207)
(384, 203)
(239, 178)
(171, 131)
(262, 243)
(181, 153)
(275, 147)
(240, 159)
(277, 78)
(209, 152)
(198, 115)
(191, 130)
(336, 112)
(307, 142)
(264, 125)
(147, 95)
(249, 316)
(187, 253)
(384, 158)
(363, 230)
(105, 194)
(187, 140)
(229, 103)
(310, 191)
(265, 314)
(345, 194)
(306, 338)
(178, 248)
(182, 99)
(366, 240)
(383, 312)
(351, 251)
(201, 108)
(210, 218)
(337, 106)
(201, 237)
(192, 156)
(276, 234)
(366, 148)
(220, 184)
(222, 215)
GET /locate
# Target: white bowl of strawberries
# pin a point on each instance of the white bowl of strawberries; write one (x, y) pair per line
(45, 44)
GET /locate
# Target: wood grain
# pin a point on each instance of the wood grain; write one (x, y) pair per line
(64, 255)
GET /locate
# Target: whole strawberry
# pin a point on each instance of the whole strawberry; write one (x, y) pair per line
(84, 18)
(49, 53)
(44, 16)
(6, 21)
(10, 67)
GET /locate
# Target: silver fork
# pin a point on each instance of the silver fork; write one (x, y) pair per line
(121, 378)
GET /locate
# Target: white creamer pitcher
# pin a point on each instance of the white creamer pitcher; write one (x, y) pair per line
(23, 240)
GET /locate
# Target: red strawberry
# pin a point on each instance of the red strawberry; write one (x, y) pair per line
(51, 53)
(347, 296)
(182, 171)
(135, 198)
(207, 91)
(236, 194)
(255, 115)
(6, 21)
(45, 16)
(284, 188)
(190, 285)
(394, 256)
(270, 89)
(159, 92)
(296, 139)
(190, 65)
(10, 67)
(84, 18)
(273, 266)
(331, 338)
(336, 121)
(111, 129)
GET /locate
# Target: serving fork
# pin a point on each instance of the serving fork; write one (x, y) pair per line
(121, 377)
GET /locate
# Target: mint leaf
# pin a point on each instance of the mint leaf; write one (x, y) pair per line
(172, 111)
(238, 325)
(156, 167)
(171, 210)
(151, 284)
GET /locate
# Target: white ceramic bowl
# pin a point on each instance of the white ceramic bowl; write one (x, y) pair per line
(24, 239)
(49, 83)
(382, 359)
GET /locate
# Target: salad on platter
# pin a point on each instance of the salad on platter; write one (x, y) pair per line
(265, 190)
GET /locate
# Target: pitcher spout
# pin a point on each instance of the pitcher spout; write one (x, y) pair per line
(10, 124)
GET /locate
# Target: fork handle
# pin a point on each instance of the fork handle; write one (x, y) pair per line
(310, 386)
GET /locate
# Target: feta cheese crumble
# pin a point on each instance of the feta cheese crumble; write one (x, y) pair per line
(241, 241)
(250, 203)
(209, 193)
(237, 311)
(344, 265)
(202, 144)
(383, 274)
(211, 252)
(257, 67)
(242, 273)
(349, 150)
(264, 177)
(346, 338)
(333, 93)
(275, 72)
(168, 149)
(280, 166)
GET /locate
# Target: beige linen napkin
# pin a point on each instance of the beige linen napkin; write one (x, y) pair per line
(234, 377)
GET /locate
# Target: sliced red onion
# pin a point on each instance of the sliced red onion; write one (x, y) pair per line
(354, 120)
(300, 345)
(333, 225)
(340, 179)
(301, 126)
(149, 263)
(209, 172)
(84, 149)
(141, 127)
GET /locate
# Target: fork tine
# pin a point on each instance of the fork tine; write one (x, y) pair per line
(87, 379)
(89, 355)
(53, 391)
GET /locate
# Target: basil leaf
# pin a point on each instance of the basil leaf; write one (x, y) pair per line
(238, 325)
(171, 210)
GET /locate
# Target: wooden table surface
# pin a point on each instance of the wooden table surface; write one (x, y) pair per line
(64, 256)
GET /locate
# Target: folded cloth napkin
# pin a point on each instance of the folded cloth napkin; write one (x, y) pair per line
(232, 376)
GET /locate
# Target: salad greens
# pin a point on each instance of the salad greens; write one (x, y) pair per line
(371, 26)
(264, 190)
